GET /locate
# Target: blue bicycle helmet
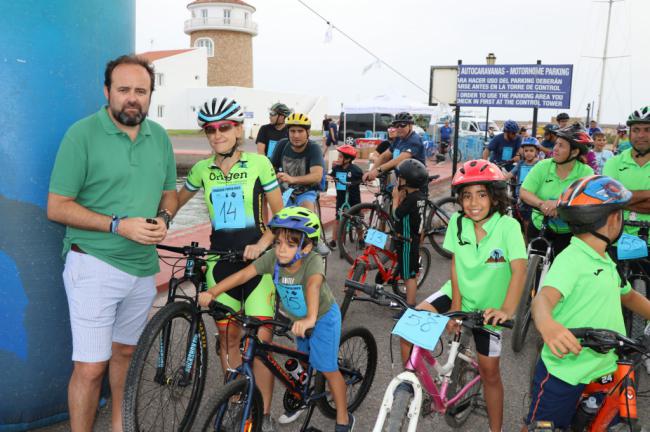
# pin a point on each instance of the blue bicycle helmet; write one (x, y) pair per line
(530, 141)
(511, 126)
(551, 128)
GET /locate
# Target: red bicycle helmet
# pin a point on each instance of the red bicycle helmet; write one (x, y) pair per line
(347, 150)
(478, 171)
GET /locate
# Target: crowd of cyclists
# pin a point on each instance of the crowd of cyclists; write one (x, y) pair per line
(583, 200)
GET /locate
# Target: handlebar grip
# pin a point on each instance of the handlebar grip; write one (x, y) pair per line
(638, 224)
(368, 289)
(176, 249)
(581, 333)
(309, 332)
(507, 324)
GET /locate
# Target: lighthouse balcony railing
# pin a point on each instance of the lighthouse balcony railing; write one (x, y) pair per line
(220, 23)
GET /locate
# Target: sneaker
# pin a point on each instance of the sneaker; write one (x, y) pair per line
(290, 416)
(345, 428)
(322, 249)
(332, 244)
(268, 424)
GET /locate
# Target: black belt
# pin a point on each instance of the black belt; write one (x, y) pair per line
(76, 248)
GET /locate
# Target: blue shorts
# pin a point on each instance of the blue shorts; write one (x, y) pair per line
(310, 195)
(323, 345)
(553, 399)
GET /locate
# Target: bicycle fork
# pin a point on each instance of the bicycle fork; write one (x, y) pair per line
(414, 407)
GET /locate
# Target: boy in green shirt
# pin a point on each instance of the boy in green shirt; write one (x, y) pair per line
(581, 289)
(299, 277)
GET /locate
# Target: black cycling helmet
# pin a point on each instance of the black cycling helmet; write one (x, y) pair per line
(551, 128)
(587, 202)
(578, 137)
(413, 172)
(562, 116)
(280, 108)
(403, 117)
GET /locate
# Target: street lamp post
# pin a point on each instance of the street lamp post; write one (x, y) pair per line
(490, 60)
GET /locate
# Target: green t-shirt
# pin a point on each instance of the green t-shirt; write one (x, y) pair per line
(483, 269)
(103, 170)
(544, 182)
(291, 287)
(591, 297)
(624, 168)
(234, 201)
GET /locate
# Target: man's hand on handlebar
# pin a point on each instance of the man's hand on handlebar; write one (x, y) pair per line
(285, 178)
(370, 175)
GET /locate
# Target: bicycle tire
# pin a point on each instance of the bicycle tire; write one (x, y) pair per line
(397, 416)
(425, 265)
(437, 219)
(461, 375)
(138, 414)
(372, 214)
(237, 390)
(635, 323)
(363, 364)
(359, 271)
(523, 316)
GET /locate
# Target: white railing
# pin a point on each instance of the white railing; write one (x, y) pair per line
(208, 23)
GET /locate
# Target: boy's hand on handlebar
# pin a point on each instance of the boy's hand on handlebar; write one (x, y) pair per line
(301, 326)
(494, 316)
(253, 251)
(559, 339)
(205, 298)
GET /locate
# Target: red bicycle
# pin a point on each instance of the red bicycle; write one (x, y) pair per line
(376, 255)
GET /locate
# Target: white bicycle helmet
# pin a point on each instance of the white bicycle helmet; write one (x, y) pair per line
(219, 110)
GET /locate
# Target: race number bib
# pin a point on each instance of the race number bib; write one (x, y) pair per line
(271, 148)
(396, 153)
(376, 238)
(631, 247)
(228, 207)
(421, 328)
(506, 153)
(293, 299)
(342, 178)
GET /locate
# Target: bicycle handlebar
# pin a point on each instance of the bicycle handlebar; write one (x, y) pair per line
(195, 251)
(638, 224)
(220, 311)
(604, 340)
(470, 320)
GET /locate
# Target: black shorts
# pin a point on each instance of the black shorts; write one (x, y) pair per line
(486, 344)
(340, 200)
(408, 259)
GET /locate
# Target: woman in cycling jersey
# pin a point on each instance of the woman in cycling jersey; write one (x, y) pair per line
(234, 184)
(547, 180)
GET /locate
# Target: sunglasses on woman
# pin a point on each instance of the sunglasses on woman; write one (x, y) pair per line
(400, 125)
(222, 127)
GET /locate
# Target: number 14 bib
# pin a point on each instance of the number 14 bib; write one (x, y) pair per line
(228, 207)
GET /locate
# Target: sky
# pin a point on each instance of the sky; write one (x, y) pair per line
(291, 55)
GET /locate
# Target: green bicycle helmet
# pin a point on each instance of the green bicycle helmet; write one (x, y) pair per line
(297, 219)
(280, 108)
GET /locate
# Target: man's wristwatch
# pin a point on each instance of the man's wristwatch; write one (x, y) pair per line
(166, 216)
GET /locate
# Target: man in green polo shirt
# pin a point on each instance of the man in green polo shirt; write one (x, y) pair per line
(114, 186)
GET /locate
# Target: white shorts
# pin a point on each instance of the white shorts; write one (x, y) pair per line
(106, 305)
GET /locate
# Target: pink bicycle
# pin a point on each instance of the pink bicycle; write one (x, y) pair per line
(428, 386)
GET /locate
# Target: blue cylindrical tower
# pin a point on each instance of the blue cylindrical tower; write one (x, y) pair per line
(52, 59)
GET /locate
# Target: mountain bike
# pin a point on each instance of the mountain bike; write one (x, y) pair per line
(613, 394)
(166, 377)
(238, 404)
(451, 391)
(540, 256)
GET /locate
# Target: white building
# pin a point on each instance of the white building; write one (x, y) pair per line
(220, 32)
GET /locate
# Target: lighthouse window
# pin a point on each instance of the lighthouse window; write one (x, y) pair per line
(207, 43)
(226, 16)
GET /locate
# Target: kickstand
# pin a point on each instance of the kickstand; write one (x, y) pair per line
(305, 423)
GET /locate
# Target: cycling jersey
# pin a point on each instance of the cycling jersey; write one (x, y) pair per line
(351, 173)
(634, 177)
(411, 144)
(544, 182)
(483, 268)
(591, 297)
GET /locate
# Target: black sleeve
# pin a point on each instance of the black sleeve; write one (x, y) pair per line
(407, 206)
(315, 157)
(262, 136)
(382, 147)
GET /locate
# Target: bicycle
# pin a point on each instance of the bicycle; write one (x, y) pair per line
(386, 262)
(166, 377)
(450, 392)
(632, 271)
(540, 257)
(613, 394)
(240, 401)
(345, 207)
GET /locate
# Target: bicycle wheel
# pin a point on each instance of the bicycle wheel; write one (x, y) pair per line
(159, 393)
(223, 410)
(634, 323)
(523, 315)
(425, 264)
(358, 273)
(353, 227)
(463, 373)
(397, 417)
(438, 215)
(357, 363)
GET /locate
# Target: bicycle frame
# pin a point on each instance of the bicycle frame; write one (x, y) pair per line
(418, 376)
(372, 252)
